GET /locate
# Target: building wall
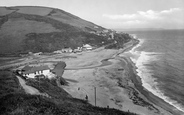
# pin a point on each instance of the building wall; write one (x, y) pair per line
(46, 73)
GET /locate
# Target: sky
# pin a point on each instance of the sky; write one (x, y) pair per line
(118, 14)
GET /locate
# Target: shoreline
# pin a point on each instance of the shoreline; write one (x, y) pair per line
(96, 69)
(148, 95)
(114, 76)
(114, 85)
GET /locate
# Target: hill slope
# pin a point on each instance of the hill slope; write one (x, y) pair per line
(26, 29)
(14, 100)
(53, 28)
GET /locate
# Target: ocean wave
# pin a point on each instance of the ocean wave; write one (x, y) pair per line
(141, 41)
(146, 73)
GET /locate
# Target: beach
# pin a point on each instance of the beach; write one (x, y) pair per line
(107, 77)
(116, 83)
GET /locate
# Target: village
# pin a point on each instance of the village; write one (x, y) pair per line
(85, 47)
(41, 66)
(42, 70)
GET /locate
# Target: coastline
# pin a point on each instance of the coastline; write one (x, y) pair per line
(115, 79)
(147, 94)
(117, 84)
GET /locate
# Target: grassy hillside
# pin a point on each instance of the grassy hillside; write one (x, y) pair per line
(19, 24)
(34, 29)
(14, 100)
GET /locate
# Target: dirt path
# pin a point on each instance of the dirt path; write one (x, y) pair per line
(30, 90)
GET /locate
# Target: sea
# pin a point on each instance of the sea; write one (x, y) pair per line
(159, 58)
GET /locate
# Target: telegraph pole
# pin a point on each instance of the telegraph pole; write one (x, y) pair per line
(39, 81)
(95, 95)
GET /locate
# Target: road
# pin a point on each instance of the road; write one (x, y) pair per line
(29, 89)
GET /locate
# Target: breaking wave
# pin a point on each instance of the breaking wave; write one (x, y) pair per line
(144, 71)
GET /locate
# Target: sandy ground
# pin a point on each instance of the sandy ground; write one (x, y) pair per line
(86, 71)
(106, 81)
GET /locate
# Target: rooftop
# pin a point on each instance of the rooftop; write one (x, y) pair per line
(59, 68)
(87, 45)
(29, 69)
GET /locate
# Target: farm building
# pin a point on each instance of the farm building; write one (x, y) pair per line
(31, 72)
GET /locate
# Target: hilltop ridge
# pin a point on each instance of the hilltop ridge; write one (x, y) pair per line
(26, 29)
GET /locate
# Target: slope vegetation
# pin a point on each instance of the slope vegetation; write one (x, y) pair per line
(18, 26)
(14, 100)
(40, 29)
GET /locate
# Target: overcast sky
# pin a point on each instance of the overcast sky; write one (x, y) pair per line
(168, 14)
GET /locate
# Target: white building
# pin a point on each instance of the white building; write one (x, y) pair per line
(87, 47)
(79, 49)
(58, 52)
(31, 72)
(67, 50)
(36, 54)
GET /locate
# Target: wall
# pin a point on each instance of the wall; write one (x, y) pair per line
(45, 72)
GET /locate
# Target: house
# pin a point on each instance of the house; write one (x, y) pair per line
(37, 54)
(58, 52)
(79, 49)
(67, 50)
(87, 47)
(31, 72)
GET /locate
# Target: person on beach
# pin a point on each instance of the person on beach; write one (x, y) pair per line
(86, 98)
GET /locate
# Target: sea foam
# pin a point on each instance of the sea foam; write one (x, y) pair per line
(145, 73)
